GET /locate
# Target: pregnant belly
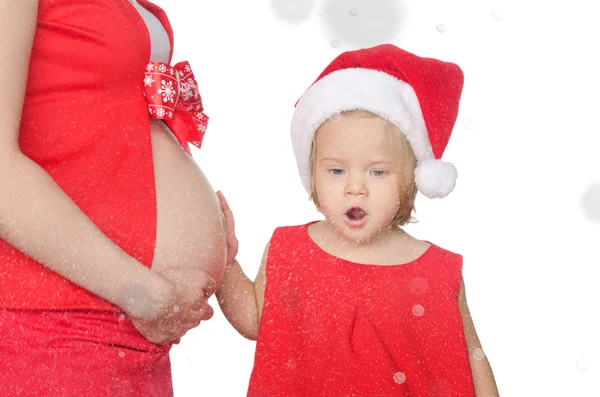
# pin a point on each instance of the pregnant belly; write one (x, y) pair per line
(189, 230)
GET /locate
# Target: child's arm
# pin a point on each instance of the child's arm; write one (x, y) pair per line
(240, 299)
(483, 377)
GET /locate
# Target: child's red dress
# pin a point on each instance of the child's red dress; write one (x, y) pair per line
(336, 328)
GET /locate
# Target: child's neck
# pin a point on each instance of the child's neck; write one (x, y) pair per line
(389, 247)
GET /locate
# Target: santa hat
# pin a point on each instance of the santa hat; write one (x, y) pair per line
(418, 95)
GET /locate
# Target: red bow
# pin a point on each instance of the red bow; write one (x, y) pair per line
(173, 96)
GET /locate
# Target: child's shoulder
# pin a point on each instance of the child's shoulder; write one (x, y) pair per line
(290, 233)
(444, 252)
(293, 229)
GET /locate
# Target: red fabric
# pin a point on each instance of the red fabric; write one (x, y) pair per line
(79, 353)
(335, 328)
(173, 96)
(85, 121)
(437, 84)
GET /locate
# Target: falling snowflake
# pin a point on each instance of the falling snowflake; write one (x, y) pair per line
(293, 11)
(583, 365)
(469, 123)
(121, 354)
(148, 80)
(291, 364)
(334, 43)
(291, 300)
(418, 310)
(399, 378)
(478, 354)
(440, 28)
(167, 91)
(591, 202)
(379, 21)
(419, 285)
(498, 14)
(121, 317)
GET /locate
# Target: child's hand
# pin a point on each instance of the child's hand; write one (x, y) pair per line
(229, 224)
(184, 305)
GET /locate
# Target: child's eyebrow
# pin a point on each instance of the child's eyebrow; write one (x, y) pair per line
(331, 159)
(376, 161)
(386, 162)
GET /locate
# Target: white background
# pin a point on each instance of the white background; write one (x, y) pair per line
(526, 210)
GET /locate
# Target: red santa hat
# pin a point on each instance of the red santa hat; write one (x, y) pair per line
(418, 95)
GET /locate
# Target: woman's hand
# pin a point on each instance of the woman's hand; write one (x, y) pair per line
(229, 224)
(180, 304)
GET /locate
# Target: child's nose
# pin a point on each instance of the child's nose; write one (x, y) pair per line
(356, 186)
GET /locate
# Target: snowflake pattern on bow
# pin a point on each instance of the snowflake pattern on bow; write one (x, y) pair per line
(167, 91)
(173, 96)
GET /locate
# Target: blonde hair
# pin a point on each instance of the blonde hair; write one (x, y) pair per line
(408, 191)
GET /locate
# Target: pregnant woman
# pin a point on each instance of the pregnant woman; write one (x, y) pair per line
(111, 238)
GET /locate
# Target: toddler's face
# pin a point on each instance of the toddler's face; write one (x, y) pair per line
(357, 177)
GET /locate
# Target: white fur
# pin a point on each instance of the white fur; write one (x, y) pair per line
(435, 178)
(378, 93)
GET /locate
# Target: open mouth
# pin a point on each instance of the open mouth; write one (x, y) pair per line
(356, 214)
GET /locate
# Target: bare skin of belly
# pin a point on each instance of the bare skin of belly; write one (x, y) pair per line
(189, 230)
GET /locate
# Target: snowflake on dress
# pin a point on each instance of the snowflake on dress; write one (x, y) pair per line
(170, 114)
(148, 80)
(171, 71)
(162, 68)
(166, 90)
(187, 68)
(160, 112)
(150, 109)
(150, 67)
(189, 108)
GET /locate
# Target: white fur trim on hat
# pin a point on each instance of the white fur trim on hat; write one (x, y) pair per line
(381, 94)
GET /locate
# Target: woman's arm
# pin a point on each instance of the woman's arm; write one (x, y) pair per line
(483, 377)
(36, 216)
(240, 299)
(40, 220)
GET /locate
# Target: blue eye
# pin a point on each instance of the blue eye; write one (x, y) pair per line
(378, 172)
(336, 171)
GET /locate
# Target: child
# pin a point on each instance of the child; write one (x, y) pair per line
(353, 305)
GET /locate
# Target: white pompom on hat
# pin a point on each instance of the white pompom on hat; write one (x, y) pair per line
(418, 95)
